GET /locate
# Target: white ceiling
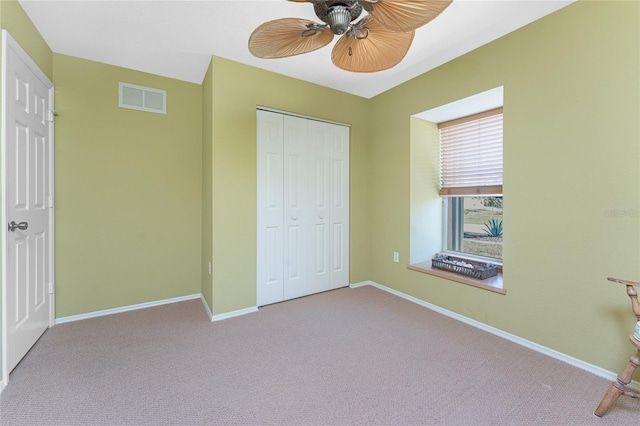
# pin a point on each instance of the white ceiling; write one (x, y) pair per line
(177, 38)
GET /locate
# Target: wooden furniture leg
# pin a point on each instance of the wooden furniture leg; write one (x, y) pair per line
(619, 387)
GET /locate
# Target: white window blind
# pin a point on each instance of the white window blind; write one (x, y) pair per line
(471, 155)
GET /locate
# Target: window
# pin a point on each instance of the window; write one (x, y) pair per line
(471, 184)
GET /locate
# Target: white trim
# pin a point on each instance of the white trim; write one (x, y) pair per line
(598, 371)
(279, 111)
(52, 210)
(2, 386)
(3, 209)
(362, 284)
(128, 308)
(206, 307)
(232, 314)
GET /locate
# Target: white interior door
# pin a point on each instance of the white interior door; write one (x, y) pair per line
(270, 171)
(28, 201)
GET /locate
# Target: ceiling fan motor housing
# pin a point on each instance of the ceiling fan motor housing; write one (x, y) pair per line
(338, 14)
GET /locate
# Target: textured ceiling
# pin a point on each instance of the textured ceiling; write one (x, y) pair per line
(177, 38)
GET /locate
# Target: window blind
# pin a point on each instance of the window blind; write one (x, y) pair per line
(471, 155)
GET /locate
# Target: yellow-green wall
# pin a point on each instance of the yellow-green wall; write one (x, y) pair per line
(17, 23)
(239, 89)
(128, 190)
(571, 160)
(207, 186)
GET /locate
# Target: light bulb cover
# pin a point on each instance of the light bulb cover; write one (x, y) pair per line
(339, 19)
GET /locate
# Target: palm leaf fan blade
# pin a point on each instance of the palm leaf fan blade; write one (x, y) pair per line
(287, 37)
(381, 49)
(407, 15)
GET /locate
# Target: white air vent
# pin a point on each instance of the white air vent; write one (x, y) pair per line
(142, 98)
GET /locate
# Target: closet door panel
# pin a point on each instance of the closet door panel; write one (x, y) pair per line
(270, 160)
(338, 142)
(296, 208)
(319, 191)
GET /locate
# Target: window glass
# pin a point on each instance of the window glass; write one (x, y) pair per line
(474, 225)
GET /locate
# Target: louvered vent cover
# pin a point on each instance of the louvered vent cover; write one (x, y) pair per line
(142, 98)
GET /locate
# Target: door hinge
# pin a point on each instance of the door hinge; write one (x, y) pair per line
(52, 114)
(50, 288)
(50, 202)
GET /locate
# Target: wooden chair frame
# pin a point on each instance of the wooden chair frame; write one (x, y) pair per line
(619, 387)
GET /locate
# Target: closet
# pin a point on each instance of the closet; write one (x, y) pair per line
(303, 206)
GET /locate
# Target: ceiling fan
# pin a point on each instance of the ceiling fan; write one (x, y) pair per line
(377, 41)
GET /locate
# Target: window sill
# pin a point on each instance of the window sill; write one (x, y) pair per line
(492, 284)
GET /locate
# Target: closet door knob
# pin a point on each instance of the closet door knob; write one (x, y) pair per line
(321, 217)
(294, 218)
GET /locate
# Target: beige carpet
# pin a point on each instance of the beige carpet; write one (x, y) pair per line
(350, 356)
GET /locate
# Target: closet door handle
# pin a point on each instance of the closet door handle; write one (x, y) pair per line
(321, 217)
(294, 218)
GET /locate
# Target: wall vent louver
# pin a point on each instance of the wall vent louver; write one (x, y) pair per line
(142, 98)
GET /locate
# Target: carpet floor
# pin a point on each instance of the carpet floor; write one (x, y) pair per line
(349, 356)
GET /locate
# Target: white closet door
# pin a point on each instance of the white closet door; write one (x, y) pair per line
(303, 207)
(296, 209)
(270, 161)
(319, 186)
(338, 142)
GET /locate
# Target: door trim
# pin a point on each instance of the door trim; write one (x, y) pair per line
(9, 42)
(308, 117)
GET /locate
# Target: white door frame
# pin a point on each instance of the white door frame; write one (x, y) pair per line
(9, 43)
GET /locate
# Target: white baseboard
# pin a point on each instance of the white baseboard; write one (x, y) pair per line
(3, 384)
(601, 372)
(206, 306)
(362, 283)
(126, 308)
(232, 314)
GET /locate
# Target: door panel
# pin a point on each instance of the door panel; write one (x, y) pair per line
(20, 275)
(296, 207)
(29, 185)
(269, 265)
(339, 213)
(319, 188)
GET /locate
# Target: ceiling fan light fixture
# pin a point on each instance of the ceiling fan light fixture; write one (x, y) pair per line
(376, 42)
(339, 19)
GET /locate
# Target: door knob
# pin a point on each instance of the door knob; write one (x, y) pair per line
(22, 226)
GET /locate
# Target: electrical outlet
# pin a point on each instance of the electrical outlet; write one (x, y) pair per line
(396, 257)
